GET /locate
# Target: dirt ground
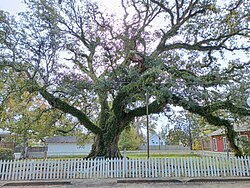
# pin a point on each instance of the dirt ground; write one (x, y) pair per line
(106, 183)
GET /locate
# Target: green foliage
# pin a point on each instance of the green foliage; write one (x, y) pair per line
(244, 143)
(130, 139)
(6, 154)
(246, 148)
(177, 136)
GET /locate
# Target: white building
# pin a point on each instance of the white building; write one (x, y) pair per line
(3, 134)
(156, 140)
(66, 146)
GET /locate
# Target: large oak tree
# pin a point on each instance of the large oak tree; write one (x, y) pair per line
(98, 67)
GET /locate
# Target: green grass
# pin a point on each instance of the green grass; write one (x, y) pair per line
(134, 155)
(160, 155)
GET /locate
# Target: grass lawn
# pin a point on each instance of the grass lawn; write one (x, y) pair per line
(161, 155)
(139, 154)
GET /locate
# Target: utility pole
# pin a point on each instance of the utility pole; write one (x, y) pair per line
(147, 124)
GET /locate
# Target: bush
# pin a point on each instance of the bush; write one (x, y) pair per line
(6, 154)
(246, 149)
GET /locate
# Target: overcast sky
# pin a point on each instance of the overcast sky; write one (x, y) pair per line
(13, 6)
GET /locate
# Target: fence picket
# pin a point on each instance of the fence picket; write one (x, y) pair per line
(170, 167)
(90, 168)
(17, 170)
(241, 167)
(236, 166)
(3, 172)
(247, 165)
(153, 167)
(203, 160)
(80, 164)
(216, 166)
(132, 168)
(185, 167)
(83, 168)
(198, 167)
(21, 170)
(1, 169)
(28, 170)
(143, 173)
(194, 168)
(7, 170)
(188, 168)
(159, 167)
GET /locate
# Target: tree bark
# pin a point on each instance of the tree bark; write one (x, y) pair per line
(24, 153)
(106, 146)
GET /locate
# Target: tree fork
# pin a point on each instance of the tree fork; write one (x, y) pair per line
(105, 147)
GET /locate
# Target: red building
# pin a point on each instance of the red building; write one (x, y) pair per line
(219, 140)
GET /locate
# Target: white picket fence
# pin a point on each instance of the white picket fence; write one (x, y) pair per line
(124, 168)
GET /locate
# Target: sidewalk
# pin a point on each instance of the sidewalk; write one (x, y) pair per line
(184, 180)
(133, 183)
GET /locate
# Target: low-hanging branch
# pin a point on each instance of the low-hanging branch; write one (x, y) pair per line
(66, 108)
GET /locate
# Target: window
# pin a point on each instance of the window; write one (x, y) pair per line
(225, 143)
(214, 144)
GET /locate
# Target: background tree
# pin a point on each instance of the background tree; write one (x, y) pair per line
(179, 133)
(130, 139)
(30, 120)
(97, 67)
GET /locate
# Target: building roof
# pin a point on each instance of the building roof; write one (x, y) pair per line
(217, 132)
(62, 139)
(242, 128)
(156, 136)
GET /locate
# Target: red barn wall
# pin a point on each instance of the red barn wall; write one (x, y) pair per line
(220, 143)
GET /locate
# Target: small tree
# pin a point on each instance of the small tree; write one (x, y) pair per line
(130, 139)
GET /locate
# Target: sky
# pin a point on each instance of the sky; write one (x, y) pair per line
(15, 6)
(12, 6)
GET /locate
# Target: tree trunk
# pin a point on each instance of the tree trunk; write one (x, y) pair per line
(231, 135)
(106, 145)
(24, 153)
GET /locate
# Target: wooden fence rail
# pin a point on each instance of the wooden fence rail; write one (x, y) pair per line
(124, 168)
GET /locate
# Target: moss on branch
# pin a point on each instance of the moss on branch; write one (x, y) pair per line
(66, 108)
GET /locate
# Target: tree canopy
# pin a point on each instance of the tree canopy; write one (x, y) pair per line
(97, 66)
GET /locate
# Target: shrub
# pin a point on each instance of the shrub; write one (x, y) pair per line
(6, 154)
(246, 148)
